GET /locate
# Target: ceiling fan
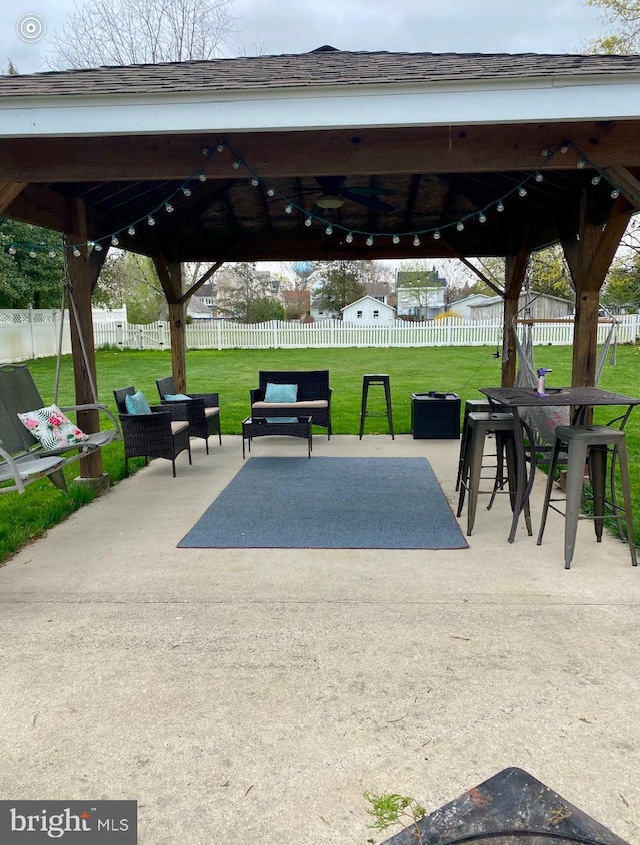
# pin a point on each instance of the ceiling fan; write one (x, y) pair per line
(335, 192)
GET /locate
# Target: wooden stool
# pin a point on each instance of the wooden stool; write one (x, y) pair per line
(480, 425)
(589, 444)
(382, 380)
(470, 406)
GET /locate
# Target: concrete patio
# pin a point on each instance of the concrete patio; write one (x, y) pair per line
(253, 696)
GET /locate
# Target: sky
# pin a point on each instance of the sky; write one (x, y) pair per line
(297, 26)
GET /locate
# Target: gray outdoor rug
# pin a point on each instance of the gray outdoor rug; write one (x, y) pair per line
(329, 503)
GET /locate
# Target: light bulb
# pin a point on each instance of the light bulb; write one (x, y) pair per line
(131, 231)
(288, 209)
(522, 191)
(271, 192)
(329, 229)
(77, 252)
(546, 153)
(615, 193)
(436, 235)
(205, 152)
(582, 163)
(255, 182)
(308, 221)
(236, 164)
(114, 241)
(220, 147)
(151, 221)
(349, 238)
(369, 241)
(168, 208)
(395, 239)
(52, 253)
(186, 192)
(202, 177)
(539, 177)
(32, 253)
(12, 250)
(460, 226)
(500, 206)
(416, 240)
(596, 180)
(564, 148)
(97, 247)
(482, 217)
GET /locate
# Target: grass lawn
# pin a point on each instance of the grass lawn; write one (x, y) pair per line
(233, 373)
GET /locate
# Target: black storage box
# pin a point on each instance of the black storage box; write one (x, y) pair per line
(435, 416)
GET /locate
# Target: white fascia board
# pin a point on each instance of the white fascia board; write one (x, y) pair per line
(511, 101)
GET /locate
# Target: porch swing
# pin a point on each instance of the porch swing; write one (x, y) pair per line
(38, 440)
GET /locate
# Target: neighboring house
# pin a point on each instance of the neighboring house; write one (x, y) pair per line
(542, 307)
(319, 311)
(197, 309)
(379, 290)
(368, 311)
(297, 303)
(463, 307)
(421, 294)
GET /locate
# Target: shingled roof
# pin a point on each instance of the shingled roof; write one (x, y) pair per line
(321, 68)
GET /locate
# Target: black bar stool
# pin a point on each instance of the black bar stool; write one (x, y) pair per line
(479, 426)
(382, 380)
(471, 406)
(589, 444)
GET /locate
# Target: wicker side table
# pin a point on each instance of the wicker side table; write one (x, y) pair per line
(277, 426)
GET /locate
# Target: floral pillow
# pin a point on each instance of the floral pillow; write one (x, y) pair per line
(52, 428)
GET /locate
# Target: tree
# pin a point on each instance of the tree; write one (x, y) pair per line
(123, 32)
(341, 286)
(245, 294)
(131, 279)
(622, 288)
(624, 17)
(29, 276)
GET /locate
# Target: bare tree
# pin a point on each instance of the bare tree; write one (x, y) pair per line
(123, 32)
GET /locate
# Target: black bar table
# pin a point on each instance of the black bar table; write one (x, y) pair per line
(578, 398)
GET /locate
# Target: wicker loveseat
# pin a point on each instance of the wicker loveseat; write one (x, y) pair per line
(313, 396)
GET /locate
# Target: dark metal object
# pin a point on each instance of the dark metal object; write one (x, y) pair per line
(579, 398)
(274, 426)
(510, 808)
(435, 416)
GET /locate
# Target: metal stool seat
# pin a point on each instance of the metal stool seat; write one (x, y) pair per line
(479, 426)
(589, 444)
(471, 406)
(382, 380)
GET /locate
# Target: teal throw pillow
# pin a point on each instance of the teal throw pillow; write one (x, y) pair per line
(176, 397)
(279, 393)
(136, 403)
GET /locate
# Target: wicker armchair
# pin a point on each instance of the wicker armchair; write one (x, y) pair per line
(202, 410)
(164, 433)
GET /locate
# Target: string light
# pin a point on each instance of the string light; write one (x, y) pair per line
(52, 253)
(238, 162)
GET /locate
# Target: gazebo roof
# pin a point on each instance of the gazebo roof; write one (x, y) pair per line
(420, 149)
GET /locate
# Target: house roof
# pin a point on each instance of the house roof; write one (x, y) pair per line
(323, 68)
(376, 302)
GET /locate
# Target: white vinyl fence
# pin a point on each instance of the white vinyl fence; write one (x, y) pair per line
(27, 334)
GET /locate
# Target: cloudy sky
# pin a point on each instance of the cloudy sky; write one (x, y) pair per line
(296, 26)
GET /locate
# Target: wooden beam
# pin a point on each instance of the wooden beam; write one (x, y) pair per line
(195, 287)
(621, 177)
(8, 192)
(320, 152)
(83, 272)
(515, 271)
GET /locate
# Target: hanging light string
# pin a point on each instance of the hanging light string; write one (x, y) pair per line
(519, 190)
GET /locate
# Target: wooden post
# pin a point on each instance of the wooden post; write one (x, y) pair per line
(170, 275)
(515, 270)
(83, 272)
(589, 255)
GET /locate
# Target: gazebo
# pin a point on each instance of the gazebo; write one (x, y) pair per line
(327, 155)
